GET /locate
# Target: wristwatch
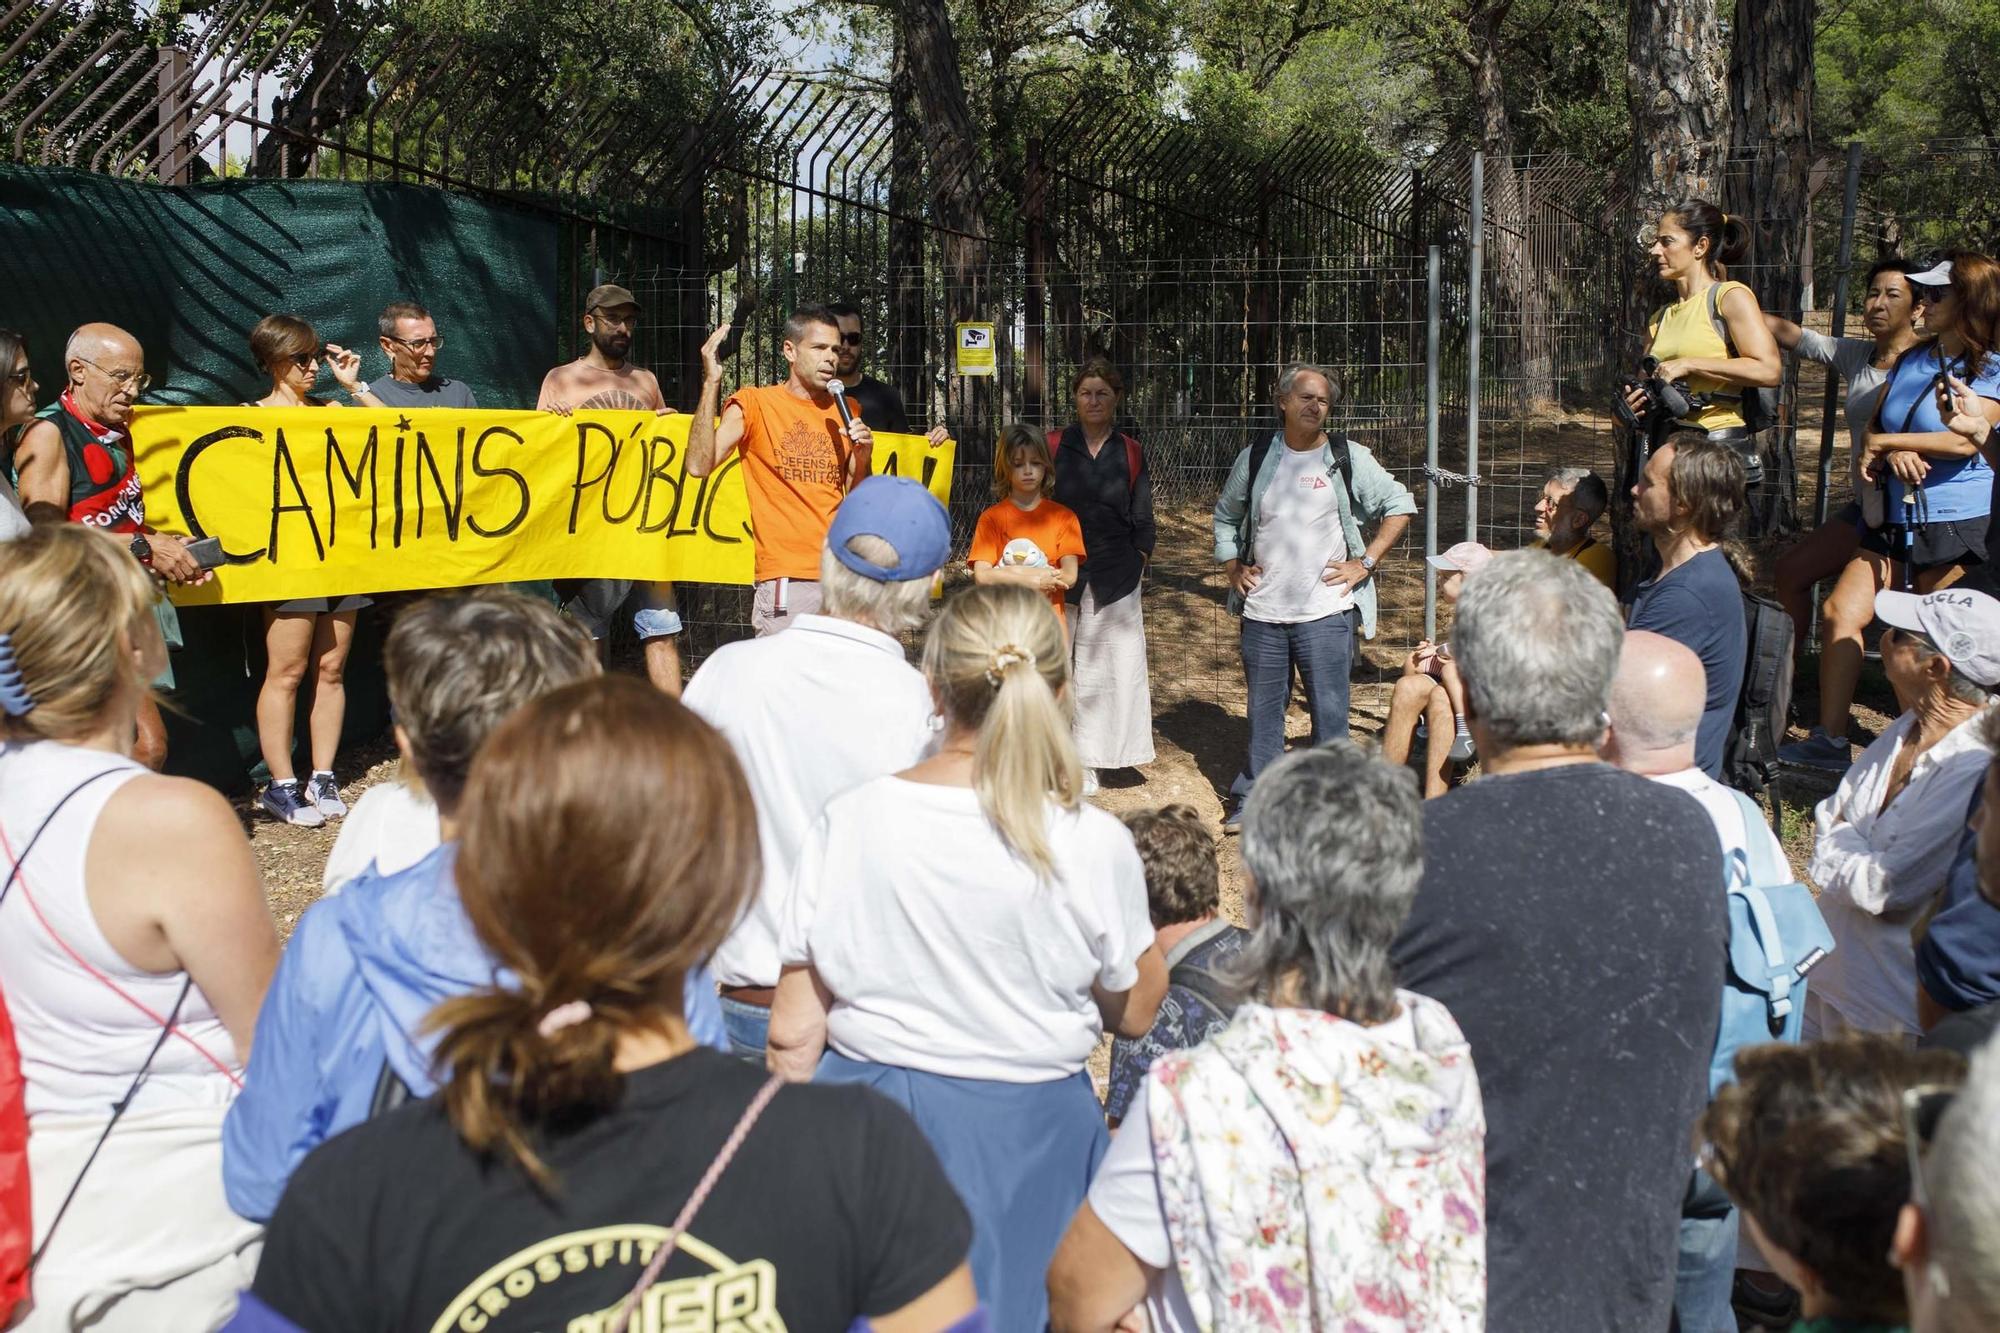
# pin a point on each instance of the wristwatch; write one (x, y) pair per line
(1368, 563)
(142, 550)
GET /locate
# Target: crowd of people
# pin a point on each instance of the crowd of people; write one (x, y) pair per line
(770, 1001)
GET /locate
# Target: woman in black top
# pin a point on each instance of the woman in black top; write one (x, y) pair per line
(578, 1119)
(1101, 474)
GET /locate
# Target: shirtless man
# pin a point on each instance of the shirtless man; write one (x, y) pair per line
(602, 380)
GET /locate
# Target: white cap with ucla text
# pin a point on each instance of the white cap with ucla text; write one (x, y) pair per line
(1965, 626)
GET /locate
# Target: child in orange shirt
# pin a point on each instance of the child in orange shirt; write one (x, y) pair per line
(1027, 538)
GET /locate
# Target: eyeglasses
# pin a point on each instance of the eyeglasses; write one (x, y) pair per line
(137, 380)
(851, 339)
(435, 344)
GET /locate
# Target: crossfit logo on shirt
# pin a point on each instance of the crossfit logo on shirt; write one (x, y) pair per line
(732, 1298)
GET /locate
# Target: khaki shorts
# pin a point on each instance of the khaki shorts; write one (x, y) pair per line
(768, 615)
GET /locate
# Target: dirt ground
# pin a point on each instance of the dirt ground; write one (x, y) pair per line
(1195, 670)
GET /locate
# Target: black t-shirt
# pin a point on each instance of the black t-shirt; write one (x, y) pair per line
(1115, 514)
(835, 1207)
(1574, 922)
(881, 406)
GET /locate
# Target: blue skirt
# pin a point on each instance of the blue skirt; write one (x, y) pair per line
(1021, 1156)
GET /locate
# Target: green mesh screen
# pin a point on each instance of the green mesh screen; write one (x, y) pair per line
(190, 270)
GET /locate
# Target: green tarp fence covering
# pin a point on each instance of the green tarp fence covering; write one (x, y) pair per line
(189, 270)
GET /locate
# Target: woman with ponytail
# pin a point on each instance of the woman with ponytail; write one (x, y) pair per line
(1711, 338)
(587, 1164)
(960, 934)
(135, 948)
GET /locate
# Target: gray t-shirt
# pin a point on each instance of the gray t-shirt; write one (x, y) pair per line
(1853, 360)
(433, 392)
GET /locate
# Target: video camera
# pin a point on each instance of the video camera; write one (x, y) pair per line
(1666, 402)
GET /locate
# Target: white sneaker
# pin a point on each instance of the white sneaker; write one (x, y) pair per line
(1090, 782)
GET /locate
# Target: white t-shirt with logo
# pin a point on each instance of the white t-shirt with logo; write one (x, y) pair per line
(1298, 533)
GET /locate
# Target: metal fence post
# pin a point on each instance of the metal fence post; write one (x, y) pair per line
(1472, 340)
(1434, 278)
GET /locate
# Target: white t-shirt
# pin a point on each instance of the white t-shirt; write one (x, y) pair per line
(810, 713)
(392, 827)
(1853, 359)
(13, 523)
(1298, 533)
(944, 951)
(1731, 827)
(1125, 1195)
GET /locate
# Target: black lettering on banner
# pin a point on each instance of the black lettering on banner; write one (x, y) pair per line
(454, 504)
(661, 456)
(582, 483)
(184, 490)
(353, 477)
(705, 502)
(396, 532)
(281, 469)
(480, 470)
(611, 475)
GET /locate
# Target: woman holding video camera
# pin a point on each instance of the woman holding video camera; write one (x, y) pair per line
(1710, 342)
(1939, 491)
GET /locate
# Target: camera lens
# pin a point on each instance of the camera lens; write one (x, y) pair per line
(1650, 364)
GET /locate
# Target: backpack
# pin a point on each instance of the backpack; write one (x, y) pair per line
(1776, 936)
(17, 1228)
(1135, 460)
(1207, 987)
(1759, 406)
(1343, 468)
(1763, 704)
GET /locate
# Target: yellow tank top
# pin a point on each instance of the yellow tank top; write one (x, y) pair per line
(1682, 330)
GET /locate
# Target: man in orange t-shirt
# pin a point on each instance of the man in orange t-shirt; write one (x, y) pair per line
(798, 461)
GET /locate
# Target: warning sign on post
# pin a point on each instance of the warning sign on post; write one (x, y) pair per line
(975, 349)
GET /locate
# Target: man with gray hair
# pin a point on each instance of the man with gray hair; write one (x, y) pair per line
(827, 705)
(1569, 919)
(1288, 533)
(1948, 1237)
(1572, 500)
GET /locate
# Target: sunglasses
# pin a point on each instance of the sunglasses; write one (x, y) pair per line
(1932, 293)
(851, 339)
(307, 360)
(20, 377)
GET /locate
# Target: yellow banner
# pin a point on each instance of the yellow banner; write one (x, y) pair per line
(320, 502)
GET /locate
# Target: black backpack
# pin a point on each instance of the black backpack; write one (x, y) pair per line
(1765, 700)
(1758, 406)
(1343, 468)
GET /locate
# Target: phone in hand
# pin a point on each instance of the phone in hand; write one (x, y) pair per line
(208, 552)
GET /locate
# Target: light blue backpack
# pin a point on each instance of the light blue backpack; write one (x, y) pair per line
(1776, 936)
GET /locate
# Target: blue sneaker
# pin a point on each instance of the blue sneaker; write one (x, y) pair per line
(324, 793)
(1232, 822)
(1461, 748)
(1819, 750)
(284, 803)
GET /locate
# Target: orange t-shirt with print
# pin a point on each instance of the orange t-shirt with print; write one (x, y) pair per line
(795, 469)
(1010, 535)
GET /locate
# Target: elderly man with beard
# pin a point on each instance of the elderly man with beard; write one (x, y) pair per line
(604, 380)
(1288, 532)
(75, 461)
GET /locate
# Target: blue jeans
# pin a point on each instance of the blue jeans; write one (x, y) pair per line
(1323, 652)
(749, 1027)
(1706, 1271)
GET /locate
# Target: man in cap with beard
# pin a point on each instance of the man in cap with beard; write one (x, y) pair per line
(603, 380)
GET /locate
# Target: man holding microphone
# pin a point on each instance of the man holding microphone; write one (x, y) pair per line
(803, 449)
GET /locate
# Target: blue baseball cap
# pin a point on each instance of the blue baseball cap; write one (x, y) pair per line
(902, 513)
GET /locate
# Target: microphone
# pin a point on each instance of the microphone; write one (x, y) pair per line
(839, 392)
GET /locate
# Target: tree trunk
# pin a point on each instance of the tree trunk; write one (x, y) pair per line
(1771, 92)
(1521, 290)
(909, 340)
(1675, 68)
